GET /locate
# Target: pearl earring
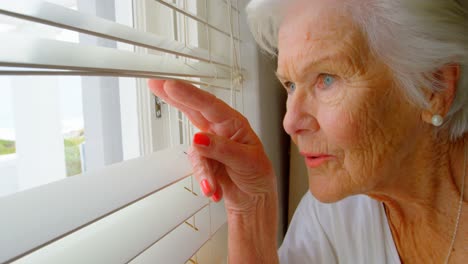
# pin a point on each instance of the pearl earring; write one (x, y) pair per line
(437, 120)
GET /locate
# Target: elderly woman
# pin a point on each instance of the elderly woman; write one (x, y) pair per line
(377, 104)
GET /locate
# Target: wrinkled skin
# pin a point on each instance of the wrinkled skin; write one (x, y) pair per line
(379, 143)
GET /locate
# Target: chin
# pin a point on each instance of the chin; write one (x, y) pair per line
(327, 191)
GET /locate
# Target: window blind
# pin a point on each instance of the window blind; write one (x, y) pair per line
(66, 56)
(145, 210)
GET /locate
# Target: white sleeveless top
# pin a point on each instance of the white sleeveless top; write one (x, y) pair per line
(353, 230)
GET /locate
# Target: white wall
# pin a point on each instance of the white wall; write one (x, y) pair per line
(101, 99)
(38, 128)
(8, 175)
(128, 91)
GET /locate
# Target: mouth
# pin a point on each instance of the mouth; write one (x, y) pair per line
(316, 160)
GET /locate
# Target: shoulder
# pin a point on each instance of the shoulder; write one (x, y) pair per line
(332, 233)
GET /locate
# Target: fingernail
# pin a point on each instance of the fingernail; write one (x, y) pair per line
(200, 139)
(205, 187)
(216, 197)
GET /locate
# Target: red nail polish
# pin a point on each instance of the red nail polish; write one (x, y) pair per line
(200, 139)
(205, 187)
(216, 197)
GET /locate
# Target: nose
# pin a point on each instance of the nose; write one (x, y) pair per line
(299, 116)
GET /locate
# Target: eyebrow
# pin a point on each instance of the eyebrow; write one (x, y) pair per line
(313, 63)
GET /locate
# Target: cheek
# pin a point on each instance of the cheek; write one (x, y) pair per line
(347, 127)
(356, 120)
(340, 127)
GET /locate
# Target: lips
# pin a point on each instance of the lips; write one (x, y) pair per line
(316, 160)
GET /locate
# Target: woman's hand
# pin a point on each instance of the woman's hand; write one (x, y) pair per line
(227, 156)
(229, 160)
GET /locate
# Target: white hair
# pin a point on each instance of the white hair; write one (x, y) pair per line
(414, 38)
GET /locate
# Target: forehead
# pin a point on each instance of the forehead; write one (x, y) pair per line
(321, 17)
(313, 29)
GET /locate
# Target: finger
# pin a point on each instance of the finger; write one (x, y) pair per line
(223, 119)
(242, 158)
(213, 109)
(218, 176)
(218, 195)
(157, 87)
(204, 173)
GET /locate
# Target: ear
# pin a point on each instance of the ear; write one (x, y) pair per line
(440, 101)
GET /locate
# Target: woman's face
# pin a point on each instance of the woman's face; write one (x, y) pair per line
(355, 129)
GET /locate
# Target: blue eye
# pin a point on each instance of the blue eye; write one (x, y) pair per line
(325, 81)
(290, 87)
(328, 80)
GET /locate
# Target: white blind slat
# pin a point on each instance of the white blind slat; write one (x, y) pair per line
(40, 215)
(18, 71)
(22, 51)
(213, 83)
(182, 243)
(59, 16)
(123, 235)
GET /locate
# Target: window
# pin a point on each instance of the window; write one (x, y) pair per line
(50, 113)
(92, 166)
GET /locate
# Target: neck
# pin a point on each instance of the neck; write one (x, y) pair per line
(430, 176)
(422, 199)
